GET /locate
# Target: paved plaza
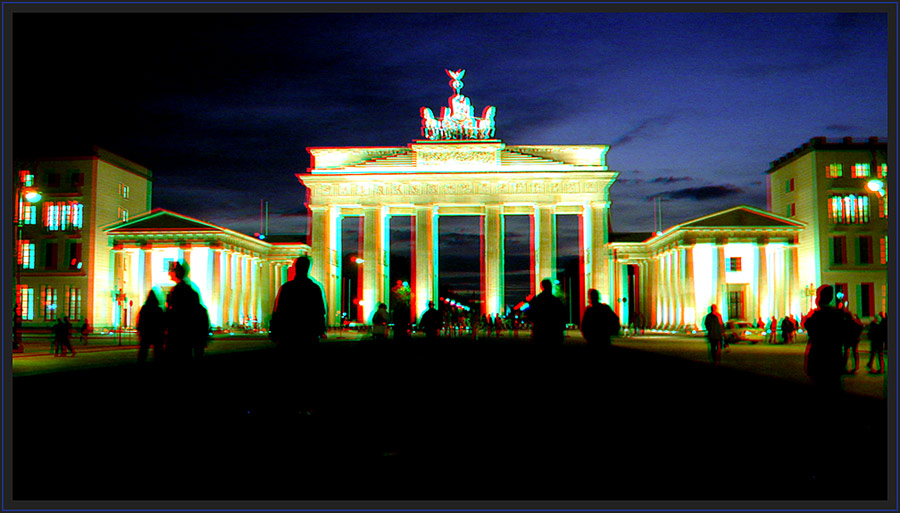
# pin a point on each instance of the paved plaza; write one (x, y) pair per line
(489, 419)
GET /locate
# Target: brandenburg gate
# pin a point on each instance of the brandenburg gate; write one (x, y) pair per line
(457, 169)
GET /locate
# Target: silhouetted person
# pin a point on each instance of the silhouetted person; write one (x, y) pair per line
(380, 320)
(599, 323)
(298, 321)
(787, 330)
(715, 331)
(185, 316)
(547, 315)
(851, 343)
(401, 320)
(877, 337)
(431, 322)
(772, 336)
(151, 328)
(828, 327)
(85, 329)
(61, 333)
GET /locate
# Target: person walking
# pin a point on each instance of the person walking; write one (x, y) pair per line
(599, 323)
(828, 327)
(431, 323)
(85, 329)
(151, 328)
(787, 330)
(877, 337)
(61, 334)
(715, 331)
(851, 342)
(547, 315)
(184, 318)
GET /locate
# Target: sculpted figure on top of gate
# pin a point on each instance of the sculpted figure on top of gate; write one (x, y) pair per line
(459, 122)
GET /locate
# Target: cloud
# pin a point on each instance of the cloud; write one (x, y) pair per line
(702, 193)
(646, 129)
(671, 179)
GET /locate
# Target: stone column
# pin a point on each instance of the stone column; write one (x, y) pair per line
(253, 289)
(599, 240)
(793, 279)
(545, 244)
(374, 279)
(426, 258)
(586, 252)
(227, 285)
(237, 295)
(147, 273)
(215, 306)
(678, 275)
(325, 240)
(762, 283)
(186, 255)
(720, 295)
(247, 292)
(492, 237)
(690, 293)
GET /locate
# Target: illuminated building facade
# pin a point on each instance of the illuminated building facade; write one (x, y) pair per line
(839, 191)
(744, 260)
(236, 275)
(63, 257)
(455, 170)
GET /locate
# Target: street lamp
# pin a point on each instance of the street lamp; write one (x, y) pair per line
(24, 192)
(876, 186)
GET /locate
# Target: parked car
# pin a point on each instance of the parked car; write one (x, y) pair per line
(737, 330)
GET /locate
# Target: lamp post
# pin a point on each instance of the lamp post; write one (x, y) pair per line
(25, 193)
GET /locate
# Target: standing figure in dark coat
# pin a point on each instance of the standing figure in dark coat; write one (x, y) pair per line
(380, 320)
(828, 328)
(151, 328)
(547, 315)
(184, 318)
(431, 323)
(85, 329)
(61, 333)
(298, 321)
(599, 323)
(715, 331)
(851, 343)
(877, 336)
(298, 324)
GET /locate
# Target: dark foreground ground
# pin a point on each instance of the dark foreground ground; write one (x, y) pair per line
(449, 421)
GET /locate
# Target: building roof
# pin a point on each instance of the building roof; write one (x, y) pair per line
(160, 219)
(822, 144)
(743, 216)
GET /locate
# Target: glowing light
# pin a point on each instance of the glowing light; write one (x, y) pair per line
(32, 195)
(659, 233)
(875, 186)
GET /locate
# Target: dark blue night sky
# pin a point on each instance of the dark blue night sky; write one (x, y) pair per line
(221, 107)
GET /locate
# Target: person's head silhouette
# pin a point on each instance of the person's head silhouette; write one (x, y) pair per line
(824, 295)
(546, 285)
(178, 271)
(431, 304)
(301, 266)
(152, 300)
(594, 296)
(713, 309)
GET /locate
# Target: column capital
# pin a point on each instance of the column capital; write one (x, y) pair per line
(146, 246)
(721, 241)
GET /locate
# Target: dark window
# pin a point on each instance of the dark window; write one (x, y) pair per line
(52, 179)
(865, 250)
(51, 255)
(74, 255)
(736, 304)
(866, 299)
(734, 264)
(839, 250)
(77, 179)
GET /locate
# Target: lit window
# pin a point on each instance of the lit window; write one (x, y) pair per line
(26, 178)
(76, 212)
(25, 299)
(48, 302)
(833, 171)
(73, 303)
(26, 254)
(123, 214)
(27, 212)
(734, 264)
(859, 171)
(849, 209)
(123, 191)
(882, 171)
(51, 216)
(883, 250)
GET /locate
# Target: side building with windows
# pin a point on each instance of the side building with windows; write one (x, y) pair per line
(838, 190)
(64, 262)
